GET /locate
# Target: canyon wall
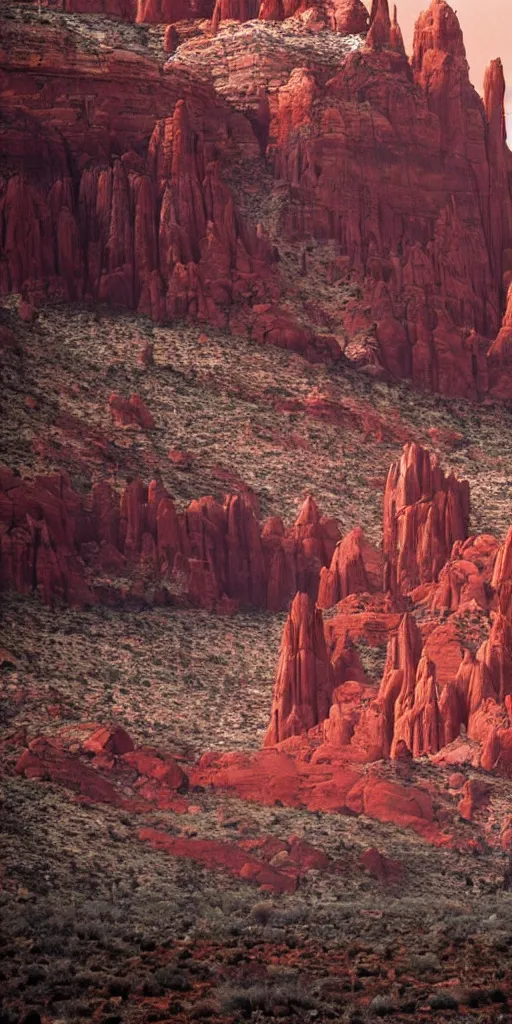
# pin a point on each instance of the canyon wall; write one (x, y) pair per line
(114, 182)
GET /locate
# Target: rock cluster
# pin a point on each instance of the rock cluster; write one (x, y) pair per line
(434, 688)
(399, 164)
(99, 763)
(414, 134)
(218, 556)
(425, 513)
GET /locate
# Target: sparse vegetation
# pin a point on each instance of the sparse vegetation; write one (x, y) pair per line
(98, 925)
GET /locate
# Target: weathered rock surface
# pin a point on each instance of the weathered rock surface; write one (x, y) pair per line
(329, 785)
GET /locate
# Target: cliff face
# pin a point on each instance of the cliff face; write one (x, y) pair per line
(403, 186)
(399, 165)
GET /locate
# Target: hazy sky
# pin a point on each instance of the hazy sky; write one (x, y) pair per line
(487, 28)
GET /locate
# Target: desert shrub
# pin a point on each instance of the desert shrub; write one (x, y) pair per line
(382, 1006)
(264, 997)
(425, 963)
(171, 978)
(497, 995)
(482, 997)
(119, 987)
(443, 1001)
(262, 912)
(202, 1010)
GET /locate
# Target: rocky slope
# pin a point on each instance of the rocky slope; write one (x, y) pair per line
(256, 647)
(183, 781)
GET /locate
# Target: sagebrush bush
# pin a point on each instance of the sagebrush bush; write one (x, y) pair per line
(262, 912)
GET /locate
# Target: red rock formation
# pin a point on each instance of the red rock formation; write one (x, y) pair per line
(381, 867)
(464, 581)
(180, 459)
(475, 796)
(162, 12)
(236, 10)
(396, 692)
(396, 39)
(500, 353)
(351, 17)
(117, 766)
(154, 227)
(502, 573)
(223, 555)
(496, 655)
(276, 868)
(130, 412)
(304, 682)
(500, 159)
(348, 17)
(419, 317)
(425, 512)
(418, 721)
(38, 540)
(379, 35)
(108, 740)
(356, 567)
(330, 787)
(227, 856)
(371, 619)
(295, 557)
(271, 10)
(125, 218)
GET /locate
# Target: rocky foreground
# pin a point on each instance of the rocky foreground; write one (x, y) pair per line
(256, 648)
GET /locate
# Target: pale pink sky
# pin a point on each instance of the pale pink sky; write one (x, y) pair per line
(487, 28)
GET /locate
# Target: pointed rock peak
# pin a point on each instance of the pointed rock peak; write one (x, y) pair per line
(396, 40)
(405, 650)
(303, 614)
(379, 36)
(180, 116)
(305, 681)
(412, 476)
(437, 28)
(494, 97)
(309, 513)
